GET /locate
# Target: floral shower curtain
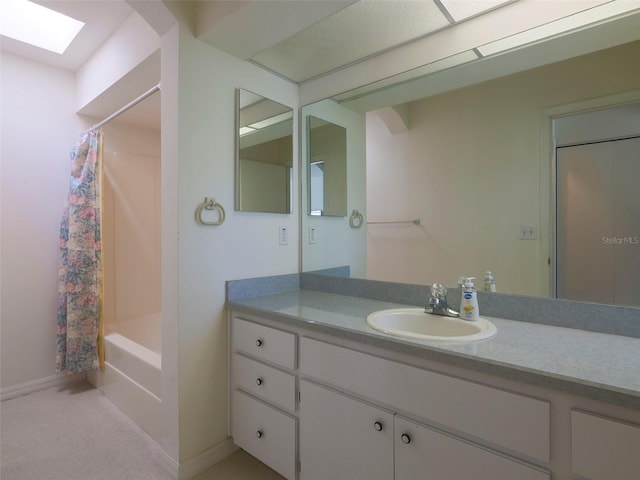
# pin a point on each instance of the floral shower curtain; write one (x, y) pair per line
(79, 345)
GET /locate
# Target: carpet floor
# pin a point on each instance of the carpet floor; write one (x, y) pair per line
(76, 433)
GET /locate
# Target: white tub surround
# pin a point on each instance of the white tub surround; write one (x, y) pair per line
(132, 381)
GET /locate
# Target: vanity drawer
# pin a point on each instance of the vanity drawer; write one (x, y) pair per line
(604, 448)
(264, 432)
(264, 342)
(506, 419)
(265, 382)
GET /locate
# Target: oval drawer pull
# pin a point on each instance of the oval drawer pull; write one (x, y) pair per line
(405, 438)
(259, 434)
(259, 381)
(377, 426)
(259, 342)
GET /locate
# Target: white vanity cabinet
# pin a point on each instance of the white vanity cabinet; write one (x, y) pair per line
(263, 394)
(316, 407)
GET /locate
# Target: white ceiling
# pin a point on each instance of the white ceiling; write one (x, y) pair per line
(303, 40)
(360, 30)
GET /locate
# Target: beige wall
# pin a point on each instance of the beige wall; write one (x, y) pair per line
(468, 167)
(39, 127)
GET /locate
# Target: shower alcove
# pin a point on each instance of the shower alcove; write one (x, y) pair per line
(131, 246)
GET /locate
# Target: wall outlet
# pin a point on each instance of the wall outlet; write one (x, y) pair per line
(528, 232)
(312, 235)
(283, 235)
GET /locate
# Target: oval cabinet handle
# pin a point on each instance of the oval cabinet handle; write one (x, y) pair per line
(259, 381)
(259, 342)
(377, 426)
(259, 434)
(405, 438)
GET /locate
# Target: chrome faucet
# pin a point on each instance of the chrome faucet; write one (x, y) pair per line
(438, 304)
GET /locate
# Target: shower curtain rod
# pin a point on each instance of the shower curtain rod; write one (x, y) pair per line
(146, 94)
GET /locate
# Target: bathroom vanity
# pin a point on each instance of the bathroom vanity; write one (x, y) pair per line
(317, 394)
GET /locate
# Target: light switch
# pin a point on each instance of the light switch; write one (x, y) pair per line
(283, 235)
(312, 235)
(528, 232)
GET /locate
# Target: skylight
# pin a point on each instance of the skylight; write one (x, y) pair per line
(37, 25)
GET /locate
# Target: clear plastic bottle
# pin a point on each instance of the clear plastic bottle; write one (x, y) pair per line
(469, 302)
(489, 284)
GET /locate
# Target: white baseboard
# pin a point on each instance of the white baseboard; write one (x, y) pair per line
(199, 463)
(14, 391)
(168, 464)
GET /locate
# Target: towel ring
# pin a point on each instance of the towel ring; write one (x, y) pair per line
(356, 220)
(210, 203)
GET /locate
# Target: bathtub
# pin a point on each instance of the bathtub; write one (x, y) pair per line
(132, 375)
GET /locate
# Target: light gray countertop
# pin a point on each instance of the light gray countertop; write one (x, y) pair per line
(595, 365)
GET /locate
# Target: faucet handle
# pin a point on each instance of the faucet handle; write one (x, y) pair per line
(438, 304)
(439, 291)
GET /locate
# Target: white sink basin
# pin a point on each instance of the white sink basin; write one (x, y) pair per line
(416, 324)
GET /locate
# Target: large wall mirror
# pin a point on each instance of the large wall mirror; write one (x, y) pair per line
(327, 168)
(264, 154)
(476, 165)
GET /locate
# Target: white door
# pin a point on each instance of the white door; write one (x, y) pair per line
(342, 438)
(598, 222)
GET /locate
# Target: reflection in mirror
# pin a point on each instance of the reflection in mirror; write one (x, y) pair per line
(329, 241)
(316, 186)
(598, 209)
(327, 182)
(264, 154)
(476, 165)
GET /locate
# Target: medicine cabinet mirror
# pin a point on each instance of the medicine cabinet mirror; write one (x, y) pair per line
(327, 168)
(264, 154)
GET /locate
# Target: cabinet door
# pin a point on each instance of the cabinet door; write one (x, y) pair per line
(422, 453)
(603, 448)
(343, 438)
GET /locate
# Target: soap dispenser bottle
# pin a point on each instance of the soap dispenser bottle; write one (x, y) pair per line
(489, 284)
(469, 302)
